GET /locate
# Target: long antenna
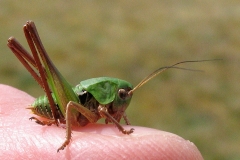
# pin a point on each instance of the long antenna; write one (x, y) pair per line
(160, 70)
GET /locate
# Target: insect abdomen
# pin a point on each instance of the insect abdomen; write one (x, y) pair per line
(42, 108)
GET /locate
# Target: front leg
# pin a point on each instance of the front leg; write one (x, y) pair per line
(126, 119)
(92, 117)
(104, 113)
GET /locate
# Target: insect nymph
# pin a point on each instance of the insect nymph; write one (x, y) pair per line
(92, 99)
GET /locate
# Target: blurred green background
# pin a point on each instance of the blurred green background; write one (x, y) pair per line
(130, 39)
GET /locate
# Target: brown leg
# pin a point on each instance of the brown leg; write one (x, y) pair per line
(35, 44)
(25, 58)
(48, 123)
(104, 113)
(51, 77)
(33, 62)
(126, 119)
(92, 117)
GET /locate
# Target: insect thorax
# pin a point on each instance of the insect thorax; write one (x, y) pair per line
(89, 102)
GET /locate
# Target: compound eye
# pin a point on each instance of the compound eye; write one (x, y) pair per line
(122, 93)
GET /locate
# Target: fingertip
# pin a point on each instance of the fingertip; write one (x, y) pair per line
(97, 141)
(143, 143)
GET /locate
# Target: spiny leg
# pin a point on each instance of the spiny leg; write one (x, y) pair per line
(126, 119)
(25, 58)
(48, 123)
(104, 113)
(60, 87)
(32, 62)
(33, 42)
(92, 117)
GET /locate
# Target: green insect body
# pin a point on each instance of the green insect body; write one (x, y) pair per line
(89, 101)
(111, 92)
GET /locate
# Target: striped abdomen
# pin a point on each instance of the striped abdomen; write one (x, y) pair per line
(42, 108)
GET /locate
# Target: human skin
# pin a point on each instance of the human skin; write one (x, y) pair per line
(22, 139)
